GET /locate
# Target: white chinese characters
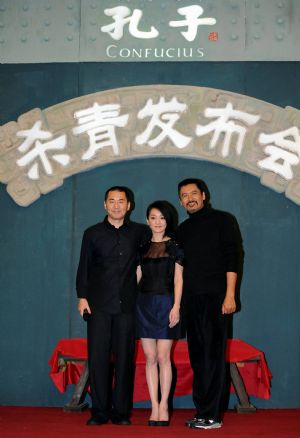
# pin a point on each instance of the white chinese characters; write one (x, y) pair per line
(283, 149)
(99, 121)
(41, 151)
(38, 154)
(192, 21)
(163, 115)
(121, 16)
(222, 125)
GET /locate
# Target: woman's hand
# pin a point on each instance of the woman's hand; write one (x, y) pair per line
(174, 316)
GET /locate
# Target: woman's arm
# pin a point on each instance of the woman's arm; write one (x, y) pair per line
(138, 274)
(174, 316)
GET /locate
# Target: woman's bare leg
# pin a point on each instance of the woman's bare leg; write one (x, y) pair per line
(165, 375)
(150, 351)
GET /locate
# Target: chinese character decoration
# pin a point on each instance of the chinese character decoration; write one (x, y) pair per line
(163, 116)
(121, 16)
(283, 150)
(99, 122)
(192, 21)
(35, 151)
(223, 125)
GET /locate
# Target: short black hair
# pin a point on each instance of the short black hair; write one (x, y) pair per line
(200, 184)
(169, 212)
(122, 189)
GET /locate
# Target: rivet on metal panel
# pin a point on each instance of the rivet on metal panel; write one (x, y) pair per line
(70, 38)
(233, 36)
(70, 6)
(2, 40)
(23, 39)
(93, 6)
(2, 25)
(25, 8)
(24, 23)
(257, 36)
(280, 20)
(46, 39)
(47, 7)
(279, 36)
(47, 23)
(233, 20)
(70, 22)
(2, 8)
(93, 22)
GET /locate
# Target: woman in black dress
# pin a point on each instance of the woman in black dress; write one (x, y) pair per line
(158, 305)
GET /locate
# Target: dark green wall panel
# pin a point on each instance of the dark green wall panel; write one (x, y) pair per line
(39, 245)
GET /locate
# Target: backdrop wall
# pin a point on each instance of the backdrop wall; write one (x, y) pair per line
(39, 245)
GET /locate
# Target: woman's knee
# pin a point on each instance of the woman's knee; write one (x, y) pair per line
(163, 358)
(151, 358)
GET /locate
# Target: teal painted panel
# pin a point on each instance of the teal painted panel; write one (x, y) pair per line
(35, 254)
(39, 245)
(35, 293)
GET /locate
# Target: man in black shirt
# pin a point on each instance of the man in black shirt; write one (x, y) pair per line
(209, 240)
(106, 287)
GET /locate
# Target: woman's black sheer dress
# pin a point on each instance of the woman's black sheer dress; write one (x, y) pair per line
(156, 296)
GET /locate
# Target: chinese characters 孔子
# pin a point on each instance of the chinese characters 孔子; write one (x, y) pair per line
(122, 16)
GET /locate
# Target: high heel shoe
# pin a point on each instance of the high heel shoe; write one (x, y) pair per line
(163, 423)
(152, 422)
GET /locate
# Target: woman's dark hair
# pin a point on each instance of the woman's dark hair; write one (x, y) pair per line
(169, 212)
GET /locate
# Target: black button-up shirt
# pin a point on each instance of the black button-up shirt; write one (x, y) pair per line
(106, 274)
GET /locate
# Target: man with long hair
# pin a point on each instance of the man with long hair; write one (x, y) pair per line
(209, 240)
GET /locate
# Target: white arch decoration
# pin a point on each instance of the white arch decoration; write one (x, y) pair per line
(45, 146)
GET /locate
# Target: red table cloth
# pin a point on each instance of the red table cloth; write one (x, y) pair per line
(255, 373)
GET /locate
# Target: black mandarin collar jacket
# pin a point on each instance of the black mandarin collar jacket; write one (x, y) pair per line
(106, 274)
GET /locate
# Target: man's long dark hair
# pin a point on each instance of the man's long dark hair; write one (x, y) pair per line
(201, 186)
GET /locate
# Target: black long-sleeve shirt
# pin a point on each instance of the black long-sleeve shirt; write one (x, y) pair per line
(106, 274)
(210, 242)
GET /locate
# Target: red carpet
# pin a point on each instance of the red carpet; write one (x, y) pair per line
(19, 422)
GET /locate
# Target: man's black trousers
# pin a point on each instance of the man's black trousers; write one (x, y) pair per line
(111, 337)
(206, 336)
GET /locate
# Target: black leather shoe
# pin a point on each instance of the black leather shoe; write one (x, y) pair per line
(96, 421)
(152, 422)
(124, 422)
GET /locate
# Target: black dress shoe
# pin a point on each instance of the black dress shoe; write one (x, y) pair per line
(96, 421)
(152, 422)
(124, 422)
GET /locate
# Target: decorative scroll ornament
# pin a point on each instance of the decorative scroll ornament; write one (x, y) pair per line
(44, 147)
